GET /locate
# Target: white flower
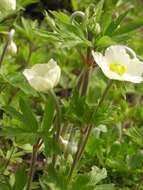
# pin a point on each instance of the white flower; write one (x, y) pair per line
(97, 28)
(120, 63)
(12, 48)
(71, 147)
(43, 77)
(7, 4)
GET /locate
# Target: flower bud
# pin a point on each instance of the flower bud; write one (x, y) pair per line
(70, 147)
(43, 77)
(97, 28)
(12, 48)
(7, 4)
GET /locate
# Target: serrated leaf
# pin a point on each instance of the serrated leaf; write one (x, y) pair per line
(28, 115)
(96, 175)
(60, 16)
(14, 113)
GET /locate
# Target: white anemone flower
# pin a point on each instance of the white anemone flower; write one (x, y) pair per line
(43, 77)
(7, 4)
(119, 62)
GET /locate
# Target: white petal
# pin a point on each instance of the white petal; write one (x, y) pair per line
(41, 69)
(132, 78)
(135, 67)
(103, 64)
(120, 54)
(39, 84)
(8, 4)
(29, 74)
(43, 76)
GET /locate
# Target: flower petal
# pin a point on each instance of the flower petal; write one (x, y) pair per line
(101, 61)
(135, 67)
(39, 84)
(119, 54)
(29, 74)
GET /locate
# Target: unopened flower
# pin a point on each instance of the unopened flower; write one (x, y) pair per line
(120, 63)
(7, 4)
(97, 28)
(12, 48)
(70, 147)
(43, 77)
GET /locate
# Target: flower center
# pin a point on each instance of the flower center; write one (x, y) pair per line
(117, 68)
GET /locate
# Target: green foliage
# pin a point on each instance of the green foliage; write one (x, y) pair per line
(31, 120)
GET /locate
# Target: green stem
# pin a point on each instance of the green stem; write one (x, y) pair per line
(58, 117)
(77, 14)
(4, 51)
(74, 164)
(58, 123)
(32, 166)
(8, 161)
(84, 138)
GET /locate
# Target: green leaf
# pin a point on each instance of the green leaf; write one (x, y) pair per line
(5, 187)
(74, 4)
(48, 114)
(105, 187)
(14, 132)
(99, 10)
(136, 135)
(54, 180)
(28, 115)
(20, 178)
(96, 175)
(129, 27)
(104, 41)
(17, 80)
(114, 24)
(60, 16)
(89, 180)
(106, 21)
(14, 113)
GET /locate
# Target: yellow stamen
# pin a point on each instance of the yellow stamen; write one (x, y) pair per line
(117, 68)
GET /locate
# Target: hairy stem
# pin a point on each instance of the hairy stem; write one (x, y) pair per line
(84, 138)
(57, 123)
(32, 166)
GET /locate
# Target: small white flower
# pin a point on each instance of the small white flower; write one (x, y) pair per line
(120, 63)
(43, 77)
(12, 48)
(7, 4)
(71, 147)
(97, 28)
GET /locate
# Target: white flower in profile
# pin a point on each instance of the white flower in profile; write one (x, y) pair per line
(119, 62)
(43, 77)
(7, 4)
(70, 147)
(12, 47)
